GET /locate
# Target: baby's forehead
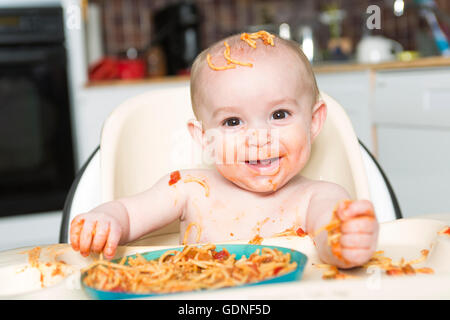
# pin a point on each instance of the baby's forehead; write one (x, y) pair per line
(283, 56)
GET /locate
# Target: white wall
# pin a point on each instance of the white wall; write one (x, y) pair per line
(76, 58)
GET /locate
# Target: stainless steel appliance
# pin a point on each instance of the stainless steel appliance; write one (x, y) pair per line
(36, 154)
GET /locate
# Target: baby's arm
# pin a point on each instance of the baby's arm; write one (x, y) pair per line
(127, 219)
(359, 226)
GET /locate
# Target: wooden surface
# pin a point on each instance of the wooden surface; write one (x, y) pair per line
(428, 62)
(121, 82)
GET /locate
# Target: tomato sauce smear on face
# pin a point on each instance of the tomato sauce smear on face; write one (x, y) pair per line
(174, 177)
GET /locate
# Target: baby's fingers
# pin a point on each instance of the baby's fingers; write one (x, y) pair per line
(113, 241)
(357, 241)
(75, 230)
(361, 224)
(100, 237)
(86, 237)
(356, 257)
(350, 209)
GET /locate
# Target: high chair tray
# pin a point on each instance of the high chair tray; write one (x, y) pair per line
(398, 239)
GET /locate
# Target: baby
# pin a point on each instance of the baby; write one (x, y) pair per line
(258, 111)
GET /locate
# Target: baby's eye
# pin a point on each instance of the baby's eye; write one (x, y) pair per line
(280, 114)
(232, 122)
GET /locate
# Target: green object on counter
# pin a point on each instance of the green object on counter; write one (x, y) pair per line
(408, 55)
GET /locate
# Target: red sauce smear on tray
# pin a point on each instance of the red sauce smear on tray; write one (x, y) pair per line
(300, 232)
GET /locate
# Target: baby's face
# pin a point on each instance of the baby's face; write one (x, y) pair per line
(260, 121)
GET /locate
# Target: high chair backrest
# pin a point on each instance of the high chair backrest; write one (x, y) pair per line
(146, 137)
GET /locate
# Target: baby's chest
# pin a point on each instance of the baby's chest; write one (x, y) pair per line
(235, 218)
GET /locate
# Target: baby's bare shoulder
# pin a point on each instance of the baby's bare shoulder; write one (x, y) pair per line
(320, 188)
(173, 178)
(206, 174)
(197, 180)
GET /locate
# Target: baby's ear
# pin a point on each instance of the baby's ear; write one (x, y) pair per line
(196, 131)
(319, 114)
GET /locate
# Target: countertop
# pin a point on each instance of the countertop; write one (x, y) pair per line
(403, 238)
(428, 62)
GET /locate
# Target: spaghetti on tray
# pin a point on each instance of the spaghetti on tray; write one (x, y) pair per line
(193, 268)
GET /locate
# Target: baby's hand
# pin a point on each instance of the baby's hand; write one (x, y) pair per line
(359, 229)
(95, 232)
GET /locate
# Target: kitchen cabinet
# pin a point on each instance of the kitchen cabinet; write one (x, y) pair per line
(403, 116)
(419, 97)
(353, 91)
(417, 161)
(411, 115)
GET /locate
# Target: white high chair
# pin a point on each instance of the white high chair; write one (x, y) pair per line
(146, 137)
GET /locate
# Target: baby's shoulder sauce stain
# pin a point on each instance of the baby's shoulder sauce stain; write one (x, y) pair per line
(300, 232)
(174, 177)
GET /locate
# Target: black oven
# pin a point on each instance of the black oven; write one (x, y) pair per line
(36, 154)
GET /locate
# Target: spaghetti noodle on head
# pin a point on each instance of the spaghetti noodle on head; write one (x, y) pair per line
(241, 51)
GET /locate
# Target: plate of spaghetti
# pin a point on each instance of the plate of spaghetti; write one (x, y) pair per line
(191, 268)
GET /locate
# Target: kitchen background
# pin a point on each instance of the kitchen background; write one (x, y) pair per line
(62, 71)
(129, 23)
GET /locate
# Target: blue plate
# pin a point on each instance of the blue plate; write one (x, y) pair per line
(238, 249)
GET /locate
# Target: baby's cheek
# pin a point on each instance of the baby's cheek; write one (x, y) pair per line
(295, 137)
(227, 149)
(296, 143)
(244, 179)
(226, 172)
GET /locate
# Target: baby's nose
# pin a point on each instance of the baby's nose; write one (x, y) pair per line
(258, 137)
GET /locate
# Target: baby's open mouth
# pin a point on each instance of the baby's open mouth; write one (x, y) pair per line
(264, 166)
(264, 162)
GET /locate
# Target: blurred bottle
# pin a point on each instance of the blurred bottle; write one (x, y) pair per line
(177, 32)
(156, 62)
(306, 39)
(284, 31)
